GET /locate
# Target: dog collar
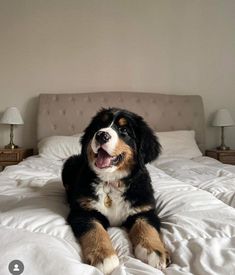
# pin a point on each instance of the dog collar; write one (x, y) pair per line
(115, 184)
(107, 190)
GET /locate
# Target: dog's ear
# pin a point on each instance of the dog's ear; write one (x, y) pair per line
(149, 148)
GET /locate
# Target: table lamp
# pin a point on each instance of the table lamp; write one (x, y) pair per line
(222, 119)
(12, 117)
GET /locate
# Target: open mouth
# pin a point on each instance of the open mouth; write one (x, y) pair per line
(104, 160)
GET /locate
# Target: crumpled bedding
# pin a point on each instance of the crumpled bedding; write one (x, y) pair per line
(204, 173)
(195, 205)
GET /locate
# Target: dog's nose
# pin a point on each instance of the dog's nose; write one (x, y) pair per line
(102, 137)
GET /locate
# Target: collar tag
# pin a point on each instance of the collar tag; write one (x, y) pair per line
(108, 201)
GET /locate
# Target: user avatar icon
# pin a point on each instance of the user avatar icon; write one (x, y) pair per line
(16, 267)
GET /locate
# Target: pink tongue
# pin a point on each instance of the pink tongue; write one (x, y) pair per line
(103, 159)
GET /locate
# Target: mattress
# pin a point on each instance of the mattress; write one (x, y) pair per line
(195, 200)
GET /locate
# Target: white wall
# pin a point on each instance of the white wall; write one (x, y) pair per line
(167, 46)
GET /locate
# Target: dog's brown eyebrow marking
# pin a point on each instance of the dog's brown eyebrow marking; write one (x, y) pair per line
(122, 121)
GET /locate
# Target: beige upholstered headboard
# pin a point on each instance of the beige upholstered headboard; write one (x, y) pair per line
(67, 114)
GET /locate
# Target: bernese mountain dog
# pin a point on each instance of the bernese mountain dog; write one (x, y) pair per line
(109, 185)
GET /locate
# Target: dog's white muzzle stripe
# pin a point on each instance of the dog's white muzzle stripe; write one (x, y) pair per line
(110, 145)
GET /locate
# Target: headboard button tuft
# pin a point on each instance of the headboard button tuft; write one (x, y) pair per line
(72, 99)
(72, 127)
(87, 99)
(55, 98)
(62, 112)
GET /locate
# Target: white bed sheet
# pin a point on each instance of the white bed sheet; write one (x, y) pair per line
(198, 228)
(204, 173)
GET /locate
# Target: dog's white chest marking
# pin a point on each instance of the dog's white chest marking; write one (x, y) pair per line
(111, 203)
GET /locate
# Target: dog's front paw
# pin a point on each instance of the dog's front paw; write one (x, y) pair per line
(156, 259)
(108, 264)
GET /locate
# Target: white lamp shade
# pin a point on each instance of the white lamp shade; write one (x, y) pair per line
(11, 116)
(222, 118)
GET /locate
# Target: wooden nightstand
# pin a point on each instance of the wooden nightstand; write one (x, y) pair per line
(227, 157)
(13, 156)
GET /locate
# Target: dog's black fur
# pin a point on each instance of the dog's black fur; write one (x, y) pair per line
(79, 178)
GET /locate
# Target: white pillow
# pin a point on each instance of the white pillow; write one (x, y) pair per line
(179, 144)
(59, 147)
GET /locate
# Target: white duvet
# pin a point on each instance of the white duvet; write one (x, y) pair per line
(195, 199)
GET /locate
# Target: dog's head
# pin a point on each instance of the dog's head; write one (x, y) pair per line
(116, 141)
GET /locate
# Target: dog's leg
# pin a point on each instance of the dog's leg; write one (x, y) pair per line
(96, 245)
(98, 250)
(147, 244)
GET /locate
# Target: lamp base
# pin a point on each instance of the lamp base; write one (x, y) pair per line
(223, 148)
(11, 146)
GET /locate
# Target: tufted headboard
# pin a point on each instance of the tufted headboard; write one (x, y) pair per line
(67, 114)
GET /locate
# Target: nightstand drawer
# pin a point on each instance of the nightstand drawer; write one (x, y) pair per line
(13, 156)
(5, 156)
(227, 159)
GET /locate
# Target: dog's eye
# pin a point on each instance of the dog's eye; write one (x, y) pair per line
(123, 130)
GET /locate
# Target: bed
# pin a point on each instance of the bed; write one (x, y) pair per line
(195, 195)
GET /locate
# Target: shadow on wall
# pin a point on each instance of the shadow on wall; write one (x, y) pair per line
(29, 133)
